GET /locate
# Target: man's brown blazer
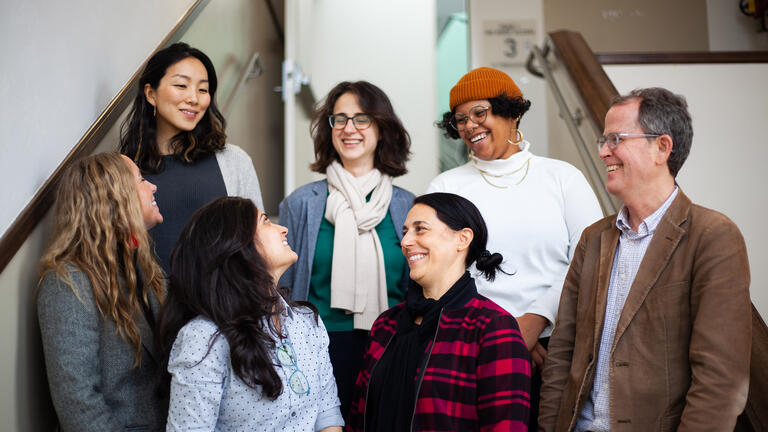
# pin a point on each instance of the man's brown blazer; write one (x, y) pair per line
(680, 357)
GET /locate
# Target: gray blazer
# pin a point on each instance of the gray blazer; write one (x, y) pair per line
(302, 212)
(93, 383)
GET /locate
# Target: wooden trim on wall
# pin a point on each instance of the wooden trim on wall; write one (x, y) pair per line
(684, 57)
(36, 209)
(594, 86)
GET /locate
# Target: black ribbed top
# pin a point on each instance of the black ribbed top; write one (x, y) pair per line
(182, 189)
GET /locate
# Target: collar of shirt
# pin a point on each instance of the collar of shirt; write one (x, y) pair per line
(649, 224)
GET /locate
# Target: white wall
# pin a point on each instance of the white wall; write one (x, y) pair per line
(63, 62)
(726, 168)
(390, 43)
(534, 123)
(730, 30)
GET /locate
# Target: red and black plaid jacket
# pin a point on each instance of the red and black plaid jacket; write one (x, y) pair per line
(478, 375)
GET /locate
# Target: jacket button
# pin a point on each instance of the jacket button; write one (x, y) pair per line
(591, 357)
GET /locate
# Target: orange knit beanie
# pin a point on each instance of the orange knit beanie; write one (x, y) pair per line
(483, 83)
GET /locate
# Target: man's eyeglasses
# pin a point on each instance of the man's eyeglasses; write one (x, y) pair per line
(477, 114)
(360, 121)
(613, 139)
(297, 381)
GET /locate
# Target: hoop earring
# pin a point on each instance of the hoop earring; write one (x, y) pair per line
(518, 137)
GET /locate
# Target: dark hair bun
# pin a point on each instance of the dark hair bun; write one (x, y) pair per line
(488, 263)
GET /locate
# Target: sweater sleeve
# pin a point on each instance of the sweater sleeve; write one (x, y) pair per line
(70, 333)
(239, 174)
(503, 377)
(580, 210)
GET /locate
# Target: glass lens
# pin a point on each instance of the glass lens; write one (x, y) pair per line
(362, 121)
(285, 355)
(477, 114)
(338, 121)
(459, 123)
(298, 382)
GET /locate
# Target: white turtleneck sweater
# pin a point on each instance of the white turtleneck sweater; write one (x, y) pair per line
(535, 225)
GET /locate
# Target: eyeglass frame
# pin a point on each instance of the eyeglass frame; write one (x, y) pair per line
(294, 364)
(454, 122)
(332, 116)
(613, 142)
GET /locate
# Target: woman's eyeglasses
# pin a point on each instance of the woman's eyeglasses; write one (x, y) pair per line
(360, 121)
(477, 114)
(297, 381)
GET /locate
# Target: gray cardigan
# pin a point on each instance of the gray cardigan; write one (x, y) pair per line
(302, 212)
(239, 175)
(93, 383)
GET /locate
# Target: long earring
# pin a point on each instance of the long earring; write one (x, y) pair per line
(154, 110)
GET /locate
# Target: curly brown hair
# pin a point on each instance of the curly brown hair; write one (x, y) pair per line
(393, 148)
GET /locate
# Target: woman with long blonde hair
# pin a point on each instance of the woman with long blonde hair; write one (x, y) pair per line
(98, 295)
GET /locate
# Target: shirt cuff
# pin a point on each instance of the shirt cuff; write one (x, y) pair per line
(327, 418)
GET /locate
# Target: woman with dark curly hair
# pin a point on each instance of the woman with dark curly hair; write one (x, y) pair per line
(241, 356)
(535, 207)
(455, 360)
(346, 229)
(175, 134)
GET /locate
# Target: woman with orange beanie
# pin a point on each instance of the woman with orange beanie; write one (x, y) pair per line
(535, 207)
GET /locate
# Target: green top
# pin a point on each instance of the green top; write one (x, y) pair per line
(320, 281)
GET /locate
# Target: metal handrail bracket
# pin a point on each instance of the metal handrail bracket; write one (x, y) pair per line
(570, 120)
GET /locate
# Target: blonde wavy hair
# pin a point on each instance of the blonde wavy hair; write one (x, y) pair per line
(98, 228)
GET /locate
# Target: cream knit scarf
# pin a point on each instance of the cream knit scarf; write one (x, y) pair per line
(358, 280)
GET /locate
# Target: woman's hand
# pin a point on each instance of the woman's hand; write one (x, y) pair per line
(531, 326)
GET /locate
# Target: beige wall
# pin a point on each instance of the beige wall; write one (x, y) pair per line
(390, 43)
(725, 170)
(228, 31)
(630, 25)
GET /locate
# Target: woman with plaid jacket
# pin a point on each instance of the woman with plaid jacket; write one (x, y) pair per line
(447, 358)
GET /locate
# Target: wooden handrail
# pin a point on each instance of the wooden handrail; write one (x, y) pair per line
(36, 209)
(591, 81)
(597, 91)
(684, 57)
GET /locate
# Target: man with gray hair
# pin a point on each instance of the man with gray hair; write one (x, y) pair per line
(654, 327)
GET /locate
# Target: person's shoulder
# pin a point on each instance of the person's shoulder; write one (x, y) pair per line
(482, 305)
(402, 193)
(447, 179)
(388, 319)
(704, 219)
(307, 190)
(556, 166)
(74, 282)
(232, 149)
(199, 332)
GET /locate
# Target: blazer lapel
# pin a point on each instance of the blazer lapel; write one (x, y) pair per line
(147, 333)
(664, 242)
(315, 215)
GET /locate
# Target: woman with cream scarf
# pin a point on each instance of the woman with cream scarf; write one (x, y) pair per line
(347, 229)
